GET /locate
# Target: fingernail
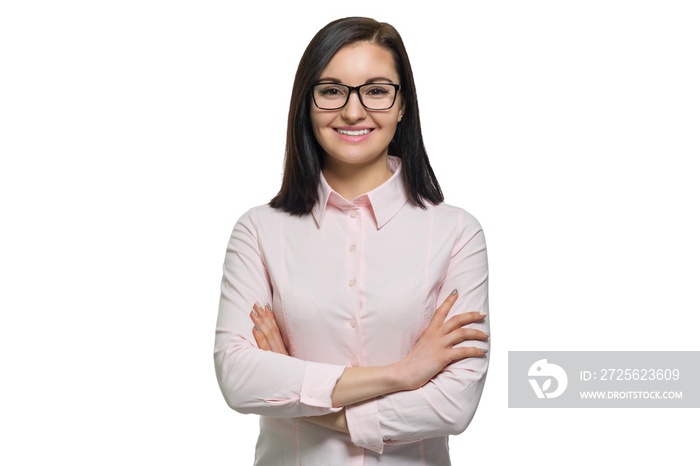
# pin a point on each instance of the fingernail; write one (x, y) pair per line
(257, 306)
(483, 313)
(257, 328)
(485, 351)
(267, 306)
(255, 313)
(454, 292)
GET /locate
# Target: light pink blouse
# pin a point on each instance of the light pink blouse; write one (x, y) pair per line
(353, 284)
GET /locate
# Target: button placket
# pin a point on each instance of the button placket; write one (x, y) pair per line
(352, 279)
(355, 231)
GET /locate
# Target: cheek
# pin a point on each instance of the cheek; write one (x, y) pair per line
(318, 122)
(390, 123)
(389, 120)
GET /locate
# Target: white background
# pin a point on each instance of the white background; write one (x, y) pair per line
(133, 134)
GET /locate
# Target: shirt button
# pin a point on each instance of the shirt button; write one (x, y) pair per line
(352, 282)
(352, 248)
(355, 363)
(354, 214)
(353, 323)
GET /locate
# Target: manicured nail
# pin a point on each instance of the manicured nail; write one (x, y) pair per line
(267, 306)
(483, 313)
(454, 292)
(257, 328)
(255, 313)
(485, 351)
(257, 306)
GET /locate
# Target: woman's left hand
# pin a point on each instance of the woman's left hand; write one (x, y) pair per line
(266, 332)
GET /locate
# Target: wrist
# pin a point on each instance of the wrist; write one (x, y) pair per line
(334, 421)
(398, 376)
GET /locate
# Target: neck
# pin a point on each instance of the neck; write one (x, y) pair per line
(351, 181)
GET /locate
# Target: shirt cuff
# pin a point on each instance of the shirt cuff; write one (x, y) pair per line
(363, 424)
(317, 388)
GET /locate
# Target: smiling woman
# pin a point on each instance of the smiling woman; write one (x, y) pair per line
(355, 139)
(362, 356)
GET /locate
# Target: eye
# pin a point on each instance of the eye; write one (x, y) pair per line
(377, 91)
(330, 90)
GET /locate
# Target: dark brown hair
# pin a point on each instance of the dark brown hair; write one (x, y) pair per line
(304, 155)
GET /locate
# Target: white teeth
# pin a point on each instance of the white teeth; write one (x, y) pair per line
(353, 133)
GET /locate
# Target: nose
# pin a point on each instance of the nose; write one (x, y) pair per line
(354, 110)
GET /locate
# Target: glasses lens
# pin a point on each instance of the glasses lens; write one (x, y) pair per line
(378, 96)
(332, 96)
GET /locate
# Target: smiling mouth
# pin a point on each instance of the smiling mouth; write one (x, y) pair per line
(359, 132)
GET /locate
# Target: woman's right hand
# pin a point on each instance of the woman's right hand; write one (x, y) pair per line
(436, 348)
(266, 331)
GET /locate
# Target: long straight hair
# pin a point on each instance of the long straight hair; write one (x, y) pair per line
(303, 153)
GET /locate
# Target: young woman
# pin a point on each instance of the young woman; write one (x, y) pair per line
(372, 347)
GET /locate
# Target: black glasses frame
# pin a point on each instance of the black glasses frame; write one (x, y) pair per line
(397, 87)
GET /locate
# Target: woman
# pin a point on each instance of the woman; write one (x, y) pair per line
(361, 357)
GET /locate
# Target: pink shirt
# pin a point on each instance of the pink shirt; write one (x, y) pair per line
(352, 284)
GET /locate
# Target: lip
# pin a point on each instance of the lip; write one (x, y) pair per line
(354, 137)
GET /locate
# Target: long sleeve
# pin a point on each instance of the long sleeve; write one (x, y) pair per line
(252, 380)
(447, 404)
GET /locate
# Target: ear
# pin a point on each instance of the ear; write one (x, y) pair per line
(401, 112)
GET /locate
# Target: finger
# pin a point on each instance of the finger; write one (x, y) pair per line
(262, 325)
(276, 344)
(463, 334)
(264, 320)
(269, 341)
(271, 313)
(464, 352)
(266, 324)
(442, 311)
(462, 319)
(260, 339)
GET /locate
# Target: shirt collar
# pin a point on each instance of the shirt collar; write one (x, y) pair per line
(384, 201)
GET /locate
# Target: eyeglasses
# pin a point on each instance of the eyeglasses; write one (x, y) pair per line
(373, 96)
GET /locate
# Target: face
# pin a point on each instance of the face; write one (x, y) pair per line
(354, 135)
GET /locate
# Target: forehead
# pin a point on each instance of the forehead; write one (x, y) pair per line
(359, 62)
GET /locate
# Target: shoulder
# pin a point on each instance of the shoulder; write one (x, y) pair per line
(454, 217)
(262, 212)
(461, 230)
(266, 217)
(256, 217)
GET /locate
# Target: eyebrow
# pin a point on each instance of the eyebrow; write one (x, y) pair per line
(376, 79)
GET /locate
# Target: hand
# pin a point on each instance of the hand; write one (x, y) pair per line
(268, 337)
(265, 331)
(436, 347)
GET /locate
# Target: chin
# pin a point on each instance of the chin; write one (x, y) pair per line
(354, 158)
